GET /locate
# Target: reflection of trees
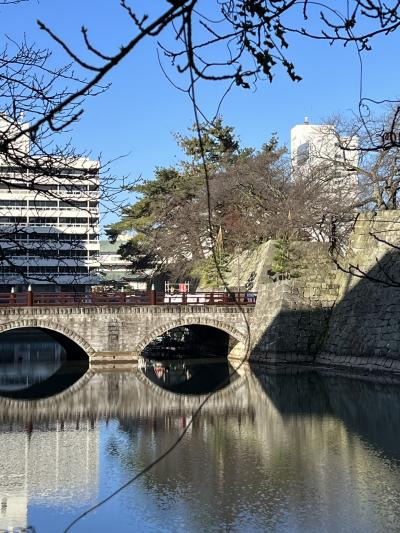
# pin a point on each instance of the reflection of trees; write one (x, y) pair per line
(277, 447)
(188, 377)
(304, 440)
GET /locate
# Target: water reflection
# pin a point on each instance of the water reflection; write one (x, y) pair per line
(189, 376)
(288, 452)
(34, 364)
(50, 465)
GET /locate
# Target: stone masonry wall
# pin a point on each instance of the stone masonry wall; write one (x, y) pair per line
(325, 316)
(291, 316)
(247, 268)
(364, 329)
(330, 317)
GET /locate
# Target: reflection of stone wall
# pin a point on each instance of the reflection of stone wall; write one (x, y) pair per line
(307, 460)
(114, 395)
(322, 430)
(310, 449)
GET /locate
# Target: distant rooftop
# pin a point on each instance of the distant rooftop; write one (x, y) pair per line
(109, 247)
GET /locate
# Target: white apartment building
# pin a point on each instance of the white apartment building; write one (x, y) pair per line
(49, 222)
(314, 146)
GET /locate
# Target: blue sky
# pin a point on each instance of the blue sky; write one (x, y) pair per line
(141, 110)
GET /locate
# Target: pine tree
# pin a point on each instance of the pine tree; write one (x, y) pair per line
(285, 261)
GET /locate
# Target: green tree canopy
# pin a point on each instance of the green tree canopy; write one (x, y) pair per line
(250, 197)
(169, 220)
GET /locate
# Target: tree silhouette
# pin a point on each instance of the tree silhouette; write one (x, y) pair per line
(239, 42)
(236, 41)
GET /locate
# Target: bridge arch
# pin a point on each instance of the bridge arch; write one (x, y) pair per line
(192, 401)
(52, 326)
(203, 321)
(87, 405)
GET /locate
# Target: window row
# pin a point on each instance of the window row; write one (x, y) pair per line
(48, 203)
(78, 220)
(59, 237)
(8, 186)
(38, 169)
(56, 254)
(49, 220)
(45, 270)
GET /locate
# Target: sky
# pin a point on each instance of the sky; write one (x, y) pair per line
(137, 116)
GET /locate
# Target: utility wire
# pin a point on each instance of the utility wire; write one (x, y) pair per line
(192, 95)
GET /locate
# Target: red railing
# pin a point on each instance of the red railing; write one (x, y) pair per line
(70, 299)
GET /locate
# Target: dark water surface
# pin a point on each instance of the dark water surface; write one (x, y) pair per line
(191, 376)
(290, 452)
(37, 363)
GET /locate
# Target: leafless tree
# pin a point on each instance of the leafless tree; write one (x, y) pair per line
(236, 41)
(345, 148)
(254, 197)
(341, 153)
(248, 41)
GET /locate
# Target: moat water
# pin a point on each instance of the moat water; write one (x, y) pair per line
(287, 450)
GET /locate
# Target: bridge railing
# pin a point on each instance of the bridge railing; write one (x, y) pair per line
(69, 299)
(208, 298)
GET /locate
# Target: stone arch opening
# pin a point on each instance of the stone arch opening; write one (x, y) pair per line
(232, 336)
(190, 341)
(37, 361)
(188, 358)
(68, 337)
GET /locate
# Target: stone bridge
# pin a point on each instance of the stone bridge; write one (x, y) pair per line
(120, 333)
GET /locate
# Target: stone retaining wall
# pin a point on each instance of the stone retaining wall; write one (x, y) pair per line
(364, 330)
(323, 317)
(291, 316)
(329, 317)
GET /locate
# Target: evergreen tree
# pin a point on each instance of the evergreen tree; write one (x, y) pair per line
(169, 220)
(285, 260)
